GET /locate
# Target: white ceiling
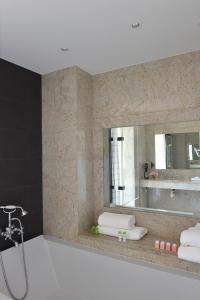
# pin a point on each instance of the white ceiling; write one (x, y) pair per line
(97, 32)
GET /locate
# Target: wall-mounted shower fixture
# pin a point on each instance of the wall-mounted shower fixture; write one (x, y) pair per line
(146, 169)
(10, 230)
(9, 208)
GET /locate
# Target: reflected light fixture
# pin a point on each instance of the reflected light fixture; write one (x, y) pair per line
(64, 49)
(135, 25)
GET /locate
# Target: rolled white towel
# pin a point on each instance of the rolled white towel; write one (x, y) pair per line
(131, 234)
(189, 253)
(196, 227)
(190, 237)
(107, 219)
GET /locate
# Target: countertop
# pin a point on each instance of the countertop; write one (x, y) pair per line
(142, 251)
(171, 184)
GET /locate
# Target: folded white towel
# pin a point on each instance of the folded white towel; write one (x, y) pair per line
(190, 237)
(189, 253)
(195, 179)
(131, 234)
(107, 219)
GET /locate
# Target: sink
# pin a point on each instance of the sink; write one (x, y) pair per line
(170, 184)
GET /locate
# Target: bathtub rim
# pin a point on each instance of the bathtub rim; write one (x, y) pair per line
(132, 260)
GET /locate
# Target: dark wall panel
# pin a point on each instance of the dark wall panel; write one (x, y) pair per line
(20, 146)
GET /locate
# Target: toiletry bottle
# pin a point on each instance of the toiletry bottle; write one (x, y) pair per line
(157, 245)
(162, 245)
(119, 235)
(124, 236)
(168, 247)
(174, 248)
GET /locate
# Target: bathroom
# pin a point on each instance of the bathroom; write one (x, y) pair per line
(99, 150)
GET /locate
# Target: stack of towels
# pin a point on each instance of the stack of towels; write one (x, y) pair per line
(190, 244)
(111, 224)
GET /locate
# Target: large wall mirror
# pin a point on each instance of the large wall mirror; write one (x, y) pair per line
(153, 167)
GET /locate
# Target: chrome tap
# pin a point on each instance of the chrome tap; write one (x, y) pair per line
(7, 234)
(11, 228)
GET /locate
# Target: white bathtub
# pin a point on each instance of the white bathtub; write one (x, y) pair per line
(60, 271)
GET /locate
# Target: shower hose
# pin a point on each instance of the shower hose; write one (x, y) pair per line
(24, 265)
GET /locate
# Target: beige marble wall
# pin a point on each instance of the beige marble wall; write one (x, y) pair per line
(84, 150)
(74, 103)
(67, 170)
(162, 85)
(166, 90)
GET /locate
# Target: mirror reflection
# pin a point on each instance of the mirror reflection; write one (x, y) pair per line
(153, 167)
(177, 150)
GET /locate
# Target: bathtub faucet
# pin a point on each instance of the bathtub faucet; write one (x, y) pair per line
(11, 228)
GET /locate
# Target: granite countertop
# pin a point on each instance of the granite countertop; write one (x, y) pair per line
(142, 251)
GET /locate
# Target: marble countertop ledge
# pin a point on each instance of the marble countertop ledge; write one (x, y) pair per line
(142, 251)
(171, 184)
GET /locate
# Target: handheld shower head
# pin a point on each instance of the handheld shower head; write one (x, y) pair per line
(9, 208)
(24, 212)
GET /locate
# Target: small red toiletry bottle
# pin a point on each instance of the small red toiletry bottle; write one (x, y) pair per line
(162, 245)
(168, 247)
(174, 248)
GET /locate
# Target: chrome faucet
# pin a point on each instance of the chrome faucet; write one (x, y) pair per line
(11, 228)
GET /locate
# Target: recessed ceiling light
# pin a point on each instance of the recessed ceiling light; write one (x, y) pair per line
(64, 49)
(135, 25)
